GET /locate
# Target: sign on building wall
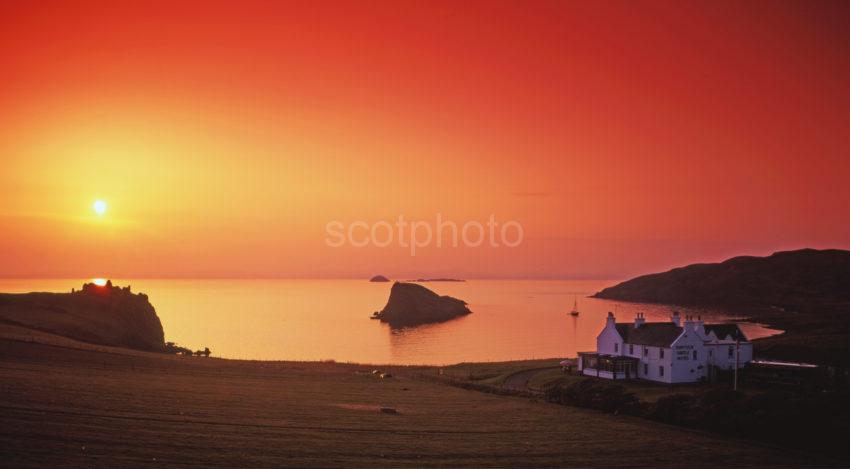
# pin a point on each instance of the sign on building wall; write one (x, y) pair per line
(683, 352)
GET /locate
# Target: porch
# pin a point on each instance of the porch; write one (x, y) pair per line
(608, 366)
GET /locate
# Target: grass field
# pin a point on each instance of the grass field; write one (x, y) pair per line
(549, 374)
(69, 404)
(494, 373)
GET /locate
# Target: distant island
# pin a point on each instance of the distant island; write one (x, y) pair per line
(379, 278)
(97, 314)
(411, 304)
(437, 280)
(805, 292)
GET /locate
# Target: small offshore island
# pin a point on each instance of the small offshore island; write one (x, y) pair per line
(439, 279)
(411, 305)
(382, 278)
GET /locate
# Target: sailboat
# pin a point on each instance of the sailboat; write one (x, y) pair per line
(574, 312)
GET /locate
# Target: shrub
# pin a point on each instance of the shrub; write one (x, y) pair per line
(805, 418)
(595, 394)
(679, 409)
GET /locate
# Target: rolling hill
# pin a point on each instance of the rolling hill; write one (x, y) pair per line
(804, 292)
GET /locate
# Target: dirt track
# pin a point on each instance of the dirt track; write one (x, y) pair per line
(519, 381)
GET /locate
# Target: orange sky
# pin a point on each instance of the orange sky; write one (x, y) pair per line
(624, 136)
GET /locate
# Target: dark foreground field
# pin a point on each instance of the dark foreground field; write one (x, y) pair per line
(69, 404)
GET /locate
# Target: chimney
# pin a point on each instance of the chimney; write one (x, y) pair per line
(675, 318)
(639, 320)
(699, 326)
(690, 324)
(611, 321)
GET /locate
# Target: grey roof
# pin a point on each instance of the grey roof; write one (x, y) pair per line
(655, 334)
(723, 330)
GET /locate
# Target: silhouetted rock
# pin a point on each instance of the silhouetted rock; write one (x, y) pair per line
(105, 315)
(379, 278)
(410, 304)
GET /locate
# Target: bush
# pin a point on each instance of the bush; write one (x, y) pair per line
(814, 421)
(720, 396)
(594, 394)
(720, 409)
(172, 347)
(678, 409)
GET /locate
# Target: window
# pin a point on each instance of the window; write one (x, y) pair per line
(731, 352)
(660, 371)
(695, 354)
(631, 349)
(661, 352)
(616, 348)
(645, 369)
(645, 351)
(710, 353)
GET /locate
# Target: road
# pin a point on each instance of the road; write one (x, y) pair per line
(519, 380)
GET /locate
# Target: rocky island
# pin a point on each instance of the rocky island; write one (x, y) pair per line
(411, 304)
(379, 278)
(97, 314)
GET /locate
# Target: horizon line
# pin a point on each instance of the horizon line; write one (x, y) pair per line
(364, 278)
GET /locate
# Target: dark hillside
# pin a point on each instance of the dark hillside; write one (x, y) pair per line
(103, 315)
(804, 292)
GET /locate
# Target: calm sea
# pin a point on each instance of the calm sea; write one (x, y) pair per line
(329, 319)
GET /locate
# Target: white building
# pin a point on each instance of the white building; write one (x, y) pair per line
(668, 352)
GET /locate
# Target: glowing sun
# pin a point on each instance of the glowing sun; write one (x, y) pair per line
(99, 207)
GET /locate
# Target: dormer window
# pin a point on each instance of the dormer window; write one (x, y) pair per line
(616, 348)
(631, 349)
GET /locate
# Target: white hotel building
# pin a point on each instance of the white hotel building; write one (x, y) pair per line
(667, 352)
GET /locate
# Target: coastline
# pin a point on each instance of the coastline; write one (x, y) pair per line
(327, 319)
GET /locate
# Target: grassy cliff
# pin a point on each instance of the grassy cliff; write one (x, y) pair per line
(103, 315)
